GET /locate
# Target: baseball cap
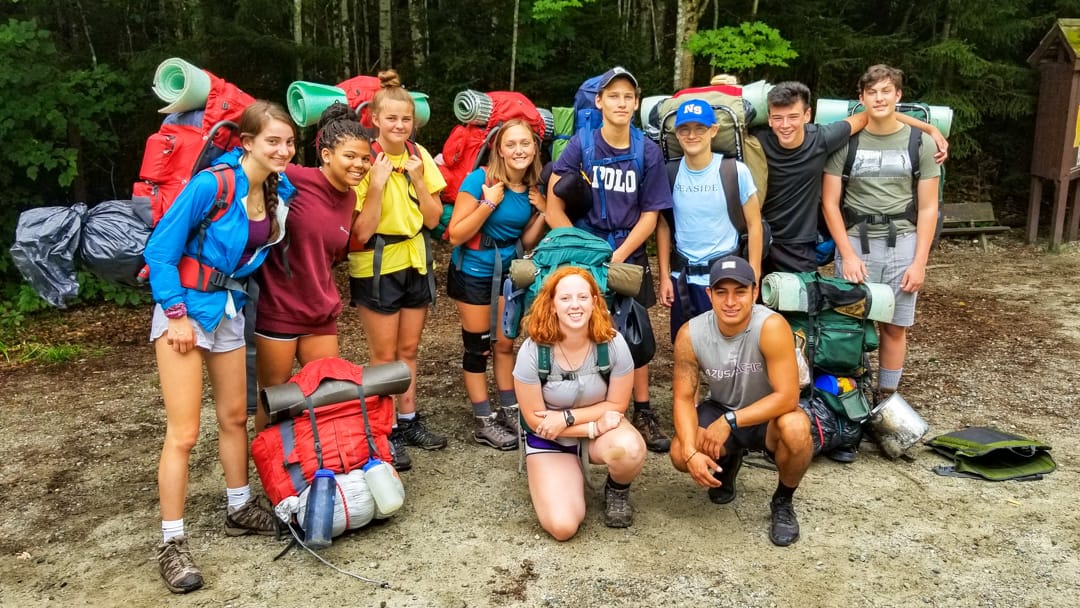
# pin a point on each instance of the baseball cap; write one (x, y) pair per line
(734, 268)
(617, 72)
(695, 110)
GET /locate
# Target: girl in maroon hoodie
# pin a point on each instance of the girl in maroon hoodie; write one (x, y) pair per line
(299, 301)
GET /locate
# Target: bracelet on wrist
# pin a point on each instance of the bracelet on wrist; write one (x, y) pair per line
(594, 430)
(690, 457)
(176, 311)
(488, 203)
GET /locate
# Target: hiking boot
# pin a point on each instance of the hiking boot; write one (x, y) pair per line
(729, 469)
(785, 526)
(845, 454)
(509, 416)
(646, 424)
(177, 569)
(490, 432)
(399, 457)
(250, 518)
(417, 434)
(618, 512)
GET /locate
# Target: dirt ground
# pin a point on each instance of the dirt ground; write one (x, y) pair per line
(996, 342)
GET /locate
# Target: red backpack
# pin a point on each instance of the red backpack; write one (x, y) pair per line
(359, 91)
(466, 147)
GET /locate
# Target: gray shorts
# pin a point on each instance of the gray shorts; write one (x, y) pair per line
(228, 336)
(887, 265)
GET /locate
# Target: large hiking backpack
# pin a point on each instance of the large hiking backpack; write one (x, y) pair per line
(482, 115)
(837, 335)
(560, 247)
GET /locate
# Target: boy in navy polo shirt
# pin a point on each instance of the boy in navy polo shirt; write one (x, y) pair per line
(626, 202)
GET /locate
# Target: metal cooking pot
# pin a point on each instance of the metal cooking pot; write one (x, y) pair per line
(896, 425)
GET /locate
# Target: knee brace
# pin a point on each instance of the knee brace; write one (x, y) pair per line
(477, 350)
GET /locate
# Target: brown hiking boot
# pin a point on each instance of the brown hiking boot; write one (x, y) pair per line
(250, 518)
(177, 569)
(509, 416)
(490, 432)
(618, 512)
(646, 424)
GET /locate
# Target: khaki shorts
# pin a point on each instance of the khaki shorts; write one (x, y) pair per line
(228, 336)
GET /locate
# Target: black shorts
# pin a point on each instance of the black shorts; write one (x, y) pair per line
(402, 289)
(749, 438)
(790, 257)
(468, 289)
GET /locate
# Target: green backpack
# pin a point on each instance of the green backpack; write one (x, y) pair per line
(560, 247)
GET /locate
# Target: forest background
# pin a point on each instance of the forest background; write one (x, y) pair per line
(76, 105)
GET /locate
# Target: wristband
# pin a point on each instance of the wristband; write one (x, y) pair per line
(689, 458)
(176, 311)
(490, 204)
(594, 430)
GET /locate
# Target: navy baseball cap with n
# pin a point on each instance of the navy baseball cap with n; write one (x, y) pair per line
(695, 110)
(617, 72)
(734, 268)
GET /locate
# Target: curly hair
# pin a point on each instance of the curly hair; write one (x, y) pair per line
(252, 122)
(497, 165)
(542, 324)
(338, 124)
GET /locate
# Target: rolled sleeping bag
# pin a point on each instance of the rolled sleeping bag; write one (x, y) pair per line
(181, 85)
(783, 291)
(650, 119)
(354, 506)
(423, 108)
(882, 302)
(757, 95)
(549, 123)
(308, 100)
(832, 110)
(286, 400)
(473, 107)
(624, 279)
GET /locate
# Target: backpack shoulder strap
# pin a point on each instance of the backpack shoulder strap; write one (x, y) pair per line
(913, 148)
(603, 361)
(588, 150)
(849, 162)
(729, 180)
(543, 363)
(637, 148)
(226, 192)
(672, 171)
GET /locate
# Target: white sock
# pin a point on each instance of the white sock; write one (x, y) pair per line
(171, 529)
(238, 496)
(407, 417)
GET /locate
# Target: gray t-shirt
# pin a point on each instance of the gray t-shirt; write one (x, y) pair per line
(881, 177)
(566, 389)
(793, 198)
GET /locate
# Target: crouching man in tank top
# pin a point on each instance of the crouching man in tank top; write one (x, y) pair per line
(747, 354)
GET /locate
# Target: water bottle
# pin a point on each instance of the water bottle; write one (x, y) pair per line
(384, 485)
(828, 384)
(319, 515)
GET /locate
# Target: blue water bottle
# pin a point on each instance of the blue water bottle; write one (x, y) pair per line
(828, 384)
(319, 515)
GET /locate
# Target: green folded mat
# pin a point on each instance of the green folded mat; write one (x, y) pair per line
(181, 85)
(564, 128)
(988, 453)
(308, 100)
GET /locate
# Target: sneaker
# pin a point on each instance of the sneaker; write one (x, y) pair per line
(646, 424)
(845, 454)
(729, 469)
(250, 518)
(177, 569)
(618, 512)
(509, 416)
(417, 434)
(399, 456)
(785, 526)
(490, 432)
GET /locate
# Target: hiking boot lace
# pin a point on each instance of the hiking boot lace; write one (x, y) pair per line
(250, 518)
(176, 566)
(618, 512)
(417, 434)
(490, 432)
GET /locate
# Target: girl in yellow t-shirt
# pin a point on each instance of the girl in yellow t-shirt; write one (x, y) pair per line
(390, 277)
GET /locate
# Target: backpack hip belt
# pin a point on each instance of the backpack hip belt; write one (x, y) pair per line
(202, 277)
(483, 241)
(680, 264)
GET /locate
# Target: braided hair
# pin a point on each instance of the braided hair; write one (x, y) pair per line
(254, 119)
(337, 125)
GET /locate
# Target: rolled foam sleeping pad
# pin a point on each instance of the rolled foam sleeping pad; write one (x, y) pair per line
(423, 108)
(549, 123)
(882, 302)
(286, 401)
(181, 85)
(757, 95)
(624, 279)
(472, 107)
(647, 105)
(783, 291)
(308, 100)
(832, 110)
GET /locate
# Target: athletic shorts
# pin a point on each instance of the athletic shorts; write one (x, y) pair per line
(228, 336)
(887, 265)
(534, 444)
(405, 288)
(749, 438)
(699, 303)
(279, 336)
(469, 289)
(790, 257)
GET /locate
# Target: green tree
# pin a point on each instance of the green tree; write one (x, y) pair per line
(742, 48)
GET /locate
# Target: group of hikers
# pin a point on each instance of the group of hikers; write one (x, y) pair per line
(567, 393)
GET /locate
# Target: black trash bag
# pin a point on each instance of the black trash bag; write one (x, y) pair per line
(828, 430)
(632, 321)
(573, 188)
(46, 242)
(114, 236)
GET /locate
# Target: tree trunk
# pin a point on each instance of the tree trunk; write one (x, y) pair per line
(514, 44)
(298, 35)
(686, 24)
(418, 32)
(347, 50)
(386, 57)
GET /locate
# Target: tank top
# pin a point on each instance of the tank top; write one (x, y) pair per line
(734, 367)
(258, 234)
